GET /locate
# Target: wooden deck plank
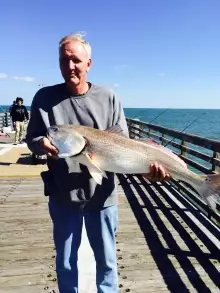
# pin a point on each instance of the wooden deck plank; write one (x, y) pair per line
(159, 248)
(26, 246)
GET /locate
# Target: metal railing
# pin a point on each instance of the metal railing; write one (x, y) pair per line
(200, 154)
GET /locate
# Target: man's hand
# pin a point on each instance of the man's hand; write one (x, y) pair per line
(50, 150)
(157, 173)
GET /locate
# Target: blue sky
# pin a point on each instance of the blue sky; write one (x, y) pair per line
(153, 53)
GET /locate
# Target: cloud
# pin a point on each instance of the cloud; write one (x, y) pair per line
(15, 77)
(24, 78)
(3, 75)
(115, 85)
(120, 67)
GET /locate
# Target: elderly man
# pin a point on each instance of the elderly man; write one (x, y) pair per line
(73, 193)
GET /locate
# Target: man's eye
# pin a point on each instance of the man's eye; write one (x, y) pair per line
(76, 61)
(64, 60)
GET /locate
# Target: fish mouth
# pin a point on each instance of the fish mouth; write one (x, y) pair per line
(50, 131)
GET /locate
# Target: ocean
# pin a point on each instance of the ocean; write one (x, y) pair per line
(202, 122)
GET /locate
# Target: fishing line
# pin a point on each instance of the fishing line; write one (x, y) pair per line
(154, 117)
(140, 115)
(184, 129)
(158, 116)
(3, 109)
(149, 123)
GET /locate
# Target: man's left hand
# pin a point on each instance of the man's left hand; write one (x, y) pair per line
(157, 173)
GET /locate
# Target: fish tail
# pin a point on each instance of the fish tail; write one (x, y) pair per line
(210, 190)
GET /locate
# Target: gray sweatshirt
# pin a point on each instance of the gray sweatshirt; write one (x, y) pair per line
(67, 180)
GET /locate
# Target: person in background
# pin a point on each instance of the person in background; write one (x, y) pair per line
(11, 107)
(73, 193)
(10, 111)
(18, 115)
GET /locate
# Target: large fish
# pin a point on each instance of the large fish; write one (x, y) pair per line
(104, 150)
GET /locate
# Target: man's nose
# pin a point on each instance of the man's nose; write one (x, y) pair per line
(72, 65)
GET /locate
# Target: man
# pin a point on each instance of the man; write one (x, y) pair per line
(18, 115)
(73, 194)
(10, 111)
(12, 105)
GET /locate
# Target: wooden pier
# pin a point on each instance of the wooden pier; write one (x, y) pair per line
(165, 242)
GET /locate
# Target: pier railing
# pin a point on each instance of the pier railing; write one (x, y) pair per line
(5, 120)
(201, 155)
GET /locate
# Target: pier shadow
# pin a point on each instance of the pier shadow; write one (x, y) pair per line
(177, 217)
(27, 159)
(5, 164)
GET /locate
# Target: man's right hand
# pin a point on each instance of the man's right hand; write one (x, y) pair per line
(50, 150)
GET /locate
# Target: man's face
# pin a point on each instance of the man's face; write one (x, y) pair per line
(19, 103)
(74, 63)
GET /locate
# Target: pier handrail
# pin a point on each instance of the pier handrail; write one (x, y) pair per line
(5, 120)
(201, 154)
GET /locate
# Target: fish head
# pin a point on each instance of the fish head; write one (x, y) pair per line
(68, 142)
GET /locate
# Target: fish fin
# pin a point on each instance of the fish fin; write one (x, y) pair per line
(210, 190)
(115, 129)
(94, 170)
(97, 176)
(65, 155)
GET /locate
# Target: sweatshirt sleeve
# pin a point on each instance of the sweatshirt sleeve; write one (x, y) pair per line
(36, 129)
(119, 116)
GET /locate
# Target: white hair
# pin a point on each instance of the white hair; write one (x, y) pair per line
(76, 37)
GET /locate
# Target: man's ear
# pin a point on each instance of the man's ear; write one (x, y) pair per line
(89, 63)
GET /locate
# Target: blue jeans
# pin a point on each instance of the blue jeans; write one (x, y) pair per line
(67, 229)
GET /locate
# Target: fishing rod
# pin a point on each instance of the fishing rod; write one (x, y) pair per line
(2, 109)
(185, 129)
(154, 117)
(158, 116)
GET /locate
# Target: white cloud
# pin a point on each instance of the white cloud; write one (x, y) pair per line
(15, 77)
(115, 85)
(3, 75)
(24, 78)
(27, 78)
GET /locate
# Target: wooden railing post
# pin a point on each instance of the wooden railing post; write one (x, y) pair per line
(136, 131)
(141, 127)
(5, 123)
(131, 134)
(214, 167)
(163, 142)
(183, 144)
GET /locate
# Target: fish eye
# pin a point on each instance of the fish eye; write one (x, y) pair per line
(54, 128)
